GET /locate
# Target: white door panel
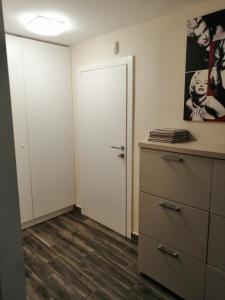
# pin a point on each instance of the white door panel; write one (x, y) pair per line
(50, 125)
(15, 67)
(103, 94)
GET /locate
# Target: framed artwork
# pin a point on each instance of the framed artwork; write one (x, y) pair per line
(204, 98)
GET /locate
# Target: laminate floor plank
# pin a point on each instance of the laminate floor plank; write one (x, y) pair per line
(91, 244)
(98, 295)
(92, 272)
(81, 270)
(35, 289)
(42, 233)
(60, 290)
(69, 276)
(41, 250)
(72, 257)
(92, 232)
(37, 265)
(99, 229)
(116, 273)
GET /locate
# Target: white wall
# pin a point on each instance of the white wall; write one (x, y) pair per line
(159, 47)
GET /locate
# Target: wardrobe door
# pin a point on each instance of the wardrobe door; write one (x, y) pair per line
(47, 73)
(18, 101)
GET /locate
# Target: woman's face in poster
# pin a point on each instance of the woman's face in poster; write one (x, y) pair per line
(201, 87)
(202, 34)
(201, 84)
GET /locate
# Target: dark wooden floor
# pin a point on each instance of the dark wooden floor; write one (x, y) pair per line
(73, 257)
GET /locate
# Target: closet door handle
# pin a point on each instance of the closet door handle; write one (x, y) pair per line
(165, 204)
(168, 251)
(172, 158)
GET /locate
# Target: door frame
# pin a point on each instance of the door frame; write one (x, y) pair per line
(129, 63)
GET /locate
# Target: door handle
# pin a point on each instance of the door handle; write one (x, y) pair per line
(168, 251)
(172, 158)
(168, 205)
(119, 148)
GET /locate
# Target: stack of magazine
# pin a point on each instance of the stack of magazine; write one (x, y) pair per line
(169, 135)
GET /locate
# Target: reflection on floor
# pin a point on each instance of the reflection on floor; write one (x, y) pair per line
(73, 257)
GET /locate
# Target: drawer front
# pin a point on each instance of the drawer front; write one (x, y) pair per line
(218, 187)
(178, 177)
(215, 284)
(181, 274)
(177, 225)
(216, 251)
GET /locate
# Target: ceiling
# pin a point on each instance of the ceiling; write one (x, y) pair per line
(88, 18)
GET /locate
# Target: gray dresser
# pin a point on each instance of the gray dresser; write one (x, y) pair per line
(182, 218)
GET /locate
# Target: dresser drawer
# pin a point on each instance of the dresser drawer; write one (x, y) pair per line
(215, 284)
(177, 225)
(182, 178)
(216, 248)
(178, 272)
(218, 187)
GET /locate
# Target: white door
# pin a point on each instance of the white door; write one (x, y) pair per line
(18, 101)
(103, 98)
(47, 77)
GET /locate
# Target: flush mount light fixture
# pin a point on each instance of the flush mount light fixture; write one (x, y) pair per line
(47, 26)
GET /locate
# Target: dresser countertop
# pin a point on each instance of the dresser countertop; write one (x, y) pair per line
(212, 150)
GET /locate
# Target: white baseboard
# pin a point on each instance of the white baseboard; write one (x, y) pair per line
(46, 217)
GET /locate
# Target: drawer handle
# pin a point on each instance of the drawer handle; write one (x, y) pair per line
(168, 251)
(169, 206)
(172, 158)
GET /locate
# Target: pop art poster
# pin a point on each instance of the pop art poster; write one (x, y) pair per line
(204, 98)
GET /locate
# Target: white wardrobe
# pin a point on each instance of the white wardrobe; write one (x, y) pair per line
(41, 96)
